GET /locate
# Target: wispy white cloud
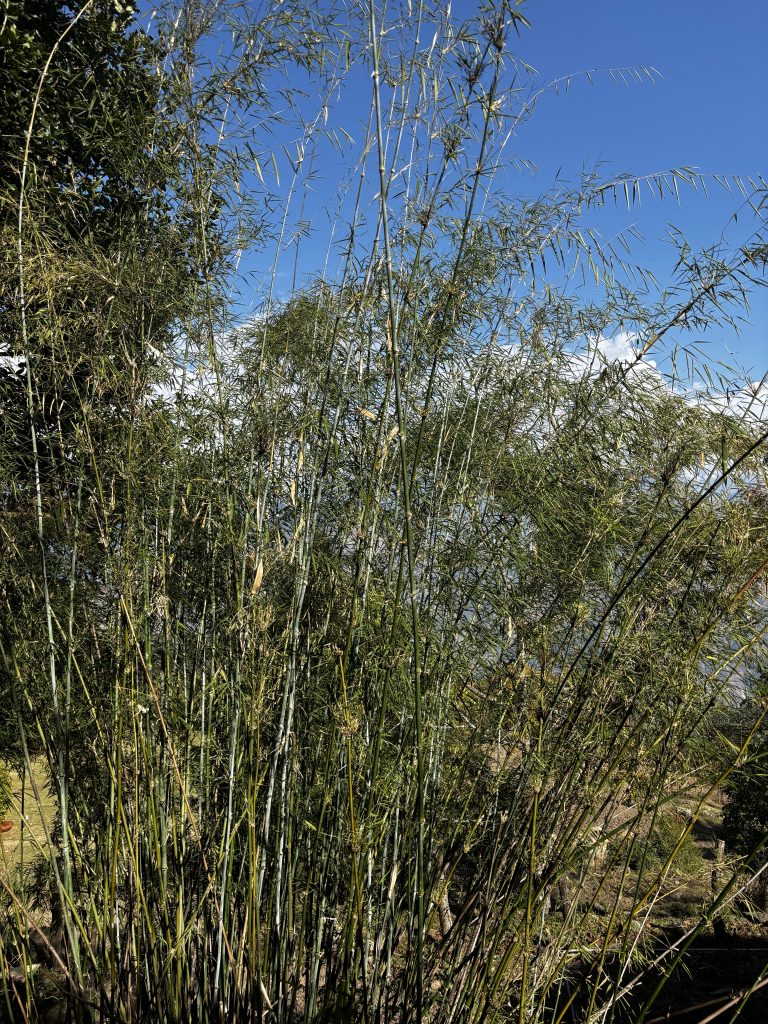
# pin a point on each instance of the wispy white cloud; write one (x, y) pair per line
(621, 348)
(749, 402)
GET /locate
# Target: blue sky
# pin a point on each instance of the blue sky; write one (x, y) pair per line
(706, 109)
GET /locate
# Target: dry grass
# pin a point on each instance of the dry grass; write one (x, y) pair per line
(32, 811)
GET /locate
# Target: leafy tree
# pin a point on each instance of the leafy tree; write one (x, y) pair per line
(100, 260)
(92, 278)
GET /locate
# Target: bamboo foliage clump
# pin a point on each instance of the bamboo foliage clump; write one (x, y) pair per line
(380, 650)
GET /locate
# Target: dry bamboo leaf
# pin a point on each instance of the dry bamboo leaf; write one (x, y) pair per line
(258, 577)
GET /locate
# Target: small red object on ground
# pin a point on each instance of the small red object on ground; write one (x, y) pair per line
(6, 826)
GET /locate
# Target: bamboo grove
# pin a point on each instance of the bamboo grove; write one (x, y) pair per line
(364, 648)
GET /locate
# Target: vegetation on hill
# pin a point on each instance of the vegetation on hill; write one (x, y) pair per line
(382, 655)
